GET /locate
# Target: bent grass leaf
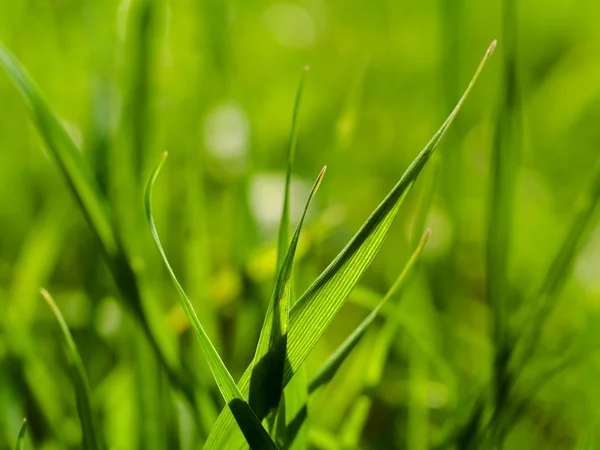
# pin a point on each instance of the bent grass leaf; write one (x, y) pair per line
(92, 203)
(266, 381)
(333, 363)
(317, 307)
(83, 395)
(253, 431)
(21, 439)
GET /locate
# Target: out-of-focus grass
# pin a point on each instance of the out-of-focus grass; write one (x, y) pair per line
(213, 83)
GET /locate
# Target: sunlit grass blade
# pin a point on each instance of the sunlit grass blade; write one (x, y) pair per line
(249, 424)
(284, 227)
(91, 202)
(317, 307)
(21, 439)
(266, 381)
(333, 363)
(327, 371)
(83, 395)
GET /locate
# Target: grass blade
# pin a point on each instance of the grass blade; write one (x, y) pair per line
(318, 305)
(285, 213)
(333, 363)
(21, 439)
(249, 424)
(83, 395)
(296, 393)
(92, 203)
(504, 160)
(328, 370)
(266, 381)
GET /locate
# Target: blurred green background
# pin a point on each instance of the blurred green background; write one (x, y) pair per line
(213, 83)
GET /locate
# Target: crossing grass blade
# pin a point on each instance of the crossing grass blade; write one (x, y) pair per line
(83, 395)
(93, 205)
(333, 363)
(316, 308)
(266, 381)
(255, 434)
(21, 439)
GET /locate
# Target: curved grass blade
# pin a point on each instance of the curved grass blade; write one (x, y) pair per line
(333, 363)
(83, 395)
(266, 381)
(93, 205)
(315, 310)
(253, 431)
(67, 156)
(21, 439)
(284, 228)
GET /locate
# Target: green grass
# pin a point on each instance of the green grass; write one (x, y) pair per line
(249, 334)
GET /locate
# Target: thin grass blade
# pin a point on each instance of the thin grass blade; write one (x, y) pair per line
(504, 163)
(315, 310)
(284, 228)
(253, 431)
(266, 381)
(83, 395)
(21, 439)
(327, 371)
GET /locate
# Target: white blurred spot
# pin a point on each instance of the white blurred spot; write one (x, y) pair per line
(291, 25)
(587, 267)
(266, 199)
(227, 132)
(441, 232)
(109, 317)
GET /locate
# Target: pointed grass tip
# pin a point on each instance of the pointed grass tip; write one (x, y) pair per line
(46, 295)
(492, 47)
(426, 234)
(320, 177)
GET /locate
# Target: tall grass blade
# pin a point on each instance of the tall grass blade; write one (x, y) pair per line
(83, 395)
(505, 155)
(295, 394)
(21, 439)
(253, 431)
(316, 308)
(266, 381)
(284, 227)
(91, 202)
(327, 371)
